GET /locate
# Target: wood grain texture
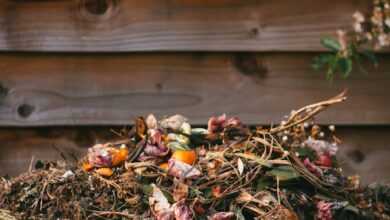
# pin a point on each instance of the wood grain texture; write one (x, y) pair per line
(55, 89)
(189, 25)
(364, 150)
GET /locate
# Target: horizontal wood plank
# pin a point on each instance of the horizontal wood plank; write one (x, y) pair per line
(190, 25)
(364, 150)
(55, 89)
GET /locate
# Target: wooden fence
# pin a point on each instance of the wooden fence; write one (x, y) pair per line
(102, 62)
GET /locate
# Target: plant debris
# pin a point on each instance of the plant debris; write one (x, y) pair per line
(167, 170)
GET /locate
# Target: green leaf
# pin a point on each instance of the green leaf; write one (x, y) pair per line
(263, 183)
(370, 56)
(306, 152)
(332, 67)
(168, 195)
(239, 215)
(322, 60)
(199, 131)
(147, 189)
(284, 173)
(330, 43)
(358, 62)
(345, 66)
(177, 146)
(207, 193)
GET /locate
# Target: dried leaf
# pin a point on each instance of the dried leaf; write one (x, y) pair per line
(223, 216)
(174, 122)
(140, 127)
(254, 158)
(180, 191)
(151, 122)
(244, 197)
(215, 124)
(182, 170)
(159, 203)
(240, 166)
(182, 211)
(284, 173)
(101, 155)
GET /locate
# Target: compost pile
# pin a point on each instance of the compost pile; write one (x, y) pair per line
(167, 170)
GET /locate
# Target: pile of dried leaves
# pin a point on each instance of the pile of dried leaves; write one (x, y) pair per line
(168, 170)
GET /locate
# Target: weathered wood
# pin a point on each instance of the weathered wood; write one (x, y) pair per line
(190, 25)
(21, 147)
(113, 89)
(364, 150)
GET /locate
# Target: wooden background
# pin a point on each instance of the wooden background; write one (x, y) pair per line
(68, 64)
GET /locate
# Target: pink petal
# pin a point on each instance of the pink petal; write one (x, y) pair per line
(223, 216)
(182, 211)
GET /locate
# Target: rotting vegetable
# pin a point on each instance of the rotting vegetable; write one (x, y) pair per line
(167, 170)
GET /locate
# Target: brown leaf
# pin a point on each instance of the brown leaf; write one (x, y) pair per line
(180, 191)
(140, 127)
(159, 204)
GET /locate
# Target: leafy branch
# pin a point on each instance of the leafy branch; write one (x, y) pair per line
(369, 34)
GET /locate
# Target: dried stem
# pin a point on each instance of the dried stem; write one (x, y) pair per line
(308, 112)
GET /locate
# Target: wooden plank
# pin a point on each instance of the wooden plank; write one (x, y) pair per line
(113, 89)
(364, 150)
(190, 25)
(22, 147)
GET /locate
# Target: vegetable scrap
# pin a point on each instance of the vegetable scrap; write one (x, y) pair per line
(167, 170)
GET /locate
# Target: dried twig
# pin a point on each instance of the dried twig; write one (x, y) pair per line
(308, 112)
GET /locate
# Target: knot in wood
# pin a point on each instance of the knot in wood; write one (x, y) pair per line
(25, 110)
(93, 9)
(248, 64)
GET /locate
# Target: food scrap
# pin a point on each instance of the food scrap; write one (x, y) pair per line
(167, 170)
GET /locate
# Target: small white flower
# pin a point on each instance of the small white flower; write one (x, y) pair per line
(383, 40)
(285, 138)
(358, 16)
(387, 22)
(332, 128)
(369, 36)
(358, 27)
